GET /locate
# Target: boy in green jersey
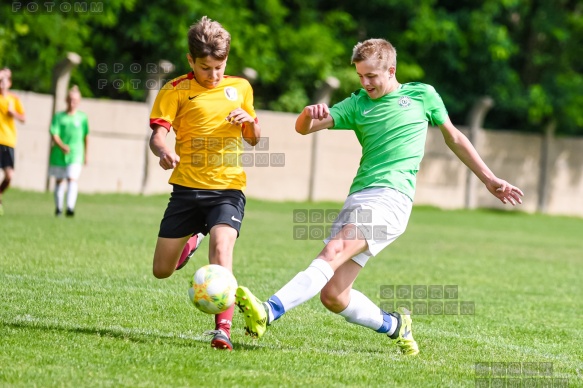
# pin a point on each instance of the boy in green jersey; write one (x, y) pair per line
(390, 121)
(70, 134)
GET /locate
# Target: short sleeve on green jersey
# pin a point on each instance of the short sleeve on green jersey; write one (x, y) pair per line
(434, 107)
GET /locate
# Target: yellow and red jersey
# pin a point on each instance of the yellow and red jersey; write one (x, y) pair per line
(7, 125)
(209, 147)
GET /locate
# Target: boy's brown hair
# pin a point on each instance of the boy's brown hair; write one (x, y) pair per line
(208, 38)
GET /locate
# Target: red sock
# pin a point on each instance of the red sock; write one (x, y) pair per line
(190, 245)
(224, 320)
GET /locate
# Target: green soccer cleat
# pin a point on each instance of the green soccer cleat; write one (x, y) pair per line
(253, 312)
(404, 335)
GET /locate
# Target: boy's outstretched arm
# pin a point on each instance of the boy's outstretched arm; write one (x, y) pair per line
(314, 118)
(465, 151)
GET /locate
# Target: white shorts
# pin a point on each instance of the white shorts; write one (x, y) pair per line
(381, 215)
(72, 171)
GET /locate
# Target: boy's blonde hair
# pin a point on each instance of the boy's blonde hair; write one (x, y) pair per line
(378, 49)
(208, 38)
(73, 90)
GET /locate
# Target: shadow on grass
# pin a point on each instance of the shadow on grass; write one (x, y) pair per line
(125, 334)
(141, 336)
(510, 212)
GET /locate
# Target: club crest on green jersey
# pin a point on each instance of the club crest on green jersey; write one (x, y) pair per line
(404, 101)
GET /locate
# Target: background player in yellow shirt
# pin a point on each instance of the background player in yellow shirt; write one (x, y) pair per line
(210, 113)
(10, 109)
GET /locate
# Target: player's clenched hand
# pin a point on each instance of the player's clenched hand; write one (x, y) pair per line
(239, 116)
(169, 161)
(505, 192)
(317, 112)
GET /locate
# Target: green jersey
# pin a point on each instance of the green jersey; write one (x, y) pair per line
(72, 129)
(392, 131)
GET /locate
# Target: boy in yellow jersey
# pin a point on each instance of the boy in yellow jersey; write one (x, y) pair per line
(211, 114)
(390, 121)
(10, 109)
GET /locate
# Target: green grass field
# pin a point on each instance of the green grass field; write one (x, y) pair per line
(80, 308)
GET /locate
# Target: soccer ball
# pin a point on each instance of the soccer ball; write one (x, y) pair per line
(213, 289)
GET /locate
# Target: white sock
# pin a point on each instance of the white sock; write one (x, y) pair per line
(59, 194)
(362, 311)
(305, 285)
(72, 195)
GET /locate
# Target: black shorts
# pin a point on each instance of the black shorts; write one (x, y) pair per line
(6, 156)
(193, 211)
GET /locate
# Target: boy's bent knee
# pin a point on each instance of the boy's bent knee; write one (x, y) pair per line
(161, 273)
(333, 301)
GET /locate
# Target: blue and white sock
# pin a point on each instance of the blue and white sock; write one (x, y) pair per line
(362, 311)
(304, 286)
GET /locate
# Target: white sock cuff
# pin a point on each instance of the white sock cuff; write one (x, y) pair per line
(323, 266)
(350, 309)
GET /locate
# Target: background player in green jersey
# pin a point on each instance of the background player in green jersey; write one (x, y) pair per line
(390, 121)
(69, 132)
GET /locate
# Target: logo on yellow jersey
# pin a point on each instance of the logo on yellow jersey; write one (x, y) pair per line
(231, 93)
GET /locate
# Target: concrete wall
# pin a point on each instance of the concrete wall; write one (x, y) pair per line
(32, 147)
(566, 191)
(120, 160)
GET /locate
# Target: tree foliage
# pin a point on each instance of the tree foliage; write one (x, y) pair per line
(523, 53)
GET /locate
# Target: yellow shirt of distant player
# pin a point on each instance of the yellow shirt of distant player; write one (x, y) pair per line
(7, 124)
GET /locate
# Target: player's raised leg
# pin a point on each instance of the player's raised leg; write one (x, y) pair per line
(339, 297)
(166, 255)
(303, 286)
